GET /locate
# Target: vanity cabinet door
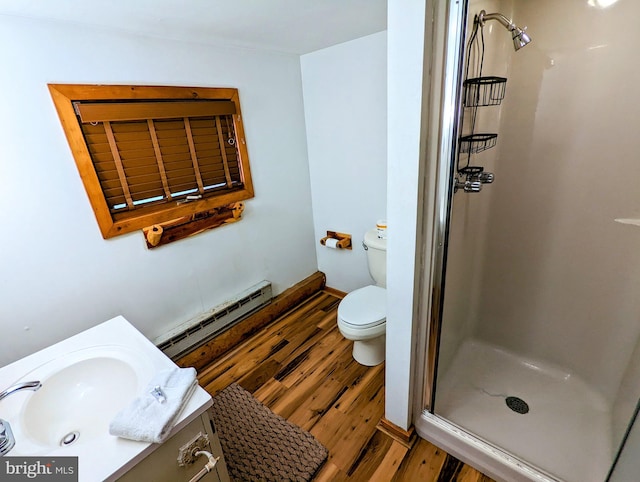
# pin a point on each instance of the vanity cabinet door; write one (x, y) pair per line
(162, 464)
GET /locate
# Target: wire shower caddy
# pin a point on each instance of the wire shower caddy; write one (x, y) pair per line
(478, 91)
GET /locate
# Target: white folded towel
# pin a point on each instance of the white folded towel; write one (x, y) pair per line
(149, 418)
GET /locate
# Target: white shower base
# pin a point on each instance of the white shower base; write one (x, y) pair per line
(567, 431)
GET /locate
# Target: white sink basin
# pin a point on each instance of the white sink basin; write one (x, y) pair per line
(80, 395)
(86, 380)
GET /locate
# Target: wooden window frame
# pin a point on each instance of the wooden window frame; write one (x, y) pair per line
(113, 224)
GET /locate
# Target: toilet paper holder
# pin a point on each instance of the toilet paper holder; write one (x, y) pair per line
(343, 241)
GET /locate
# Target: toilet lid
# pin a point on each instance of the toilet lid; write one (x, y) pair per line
(364, 307)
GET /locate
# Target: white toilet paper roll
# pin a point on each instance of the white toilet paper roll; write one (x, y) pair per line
(331, 243)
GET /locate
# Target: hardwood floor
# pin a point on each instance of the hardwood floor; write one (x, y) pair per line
(301, 367)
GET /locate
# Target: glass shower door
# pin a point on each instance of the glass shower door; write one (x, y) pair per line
(539, 350)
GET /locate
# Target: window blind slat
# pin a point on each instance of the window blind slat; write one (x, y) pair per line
(146, 191)
(182, 149)
(137, 145)
(179, 182)
(168, 128)
(114, 200)
(209, 131)
(104, 163)
(135, 181)
(103, 158)
(129, 128)
(182, 173)
(130, 111)
(176, 164)
(167, 142)
(138, 155)
(184, 187)
(208, 155)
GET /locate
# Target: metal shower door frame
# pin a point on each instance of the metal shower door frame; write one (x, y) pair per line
(449, 112)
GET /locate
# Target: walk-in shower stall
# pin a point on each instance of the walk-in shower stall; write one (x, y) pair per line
(533, 363)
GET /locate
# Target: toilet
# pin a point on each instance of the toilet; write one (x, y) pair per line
(362, 314)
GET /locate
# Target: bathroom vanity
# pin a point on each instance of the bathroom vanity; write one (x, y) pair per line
(161, 465)
(87, 379)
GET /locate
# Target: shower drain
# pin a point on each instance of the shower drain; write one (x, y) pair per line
(518, 405)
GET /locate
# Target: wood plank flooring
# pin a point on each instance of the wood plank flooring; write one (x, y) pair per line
(301, 367)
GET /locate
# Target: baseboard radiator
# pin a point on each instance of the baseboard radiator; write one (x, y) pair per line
(203, 328)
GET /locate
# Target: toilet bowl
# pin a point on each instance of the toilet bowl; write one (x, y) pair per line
(362, 314)
(362, 317)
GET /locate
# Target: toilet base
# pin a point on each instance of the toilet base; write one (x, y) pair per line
(369, 352)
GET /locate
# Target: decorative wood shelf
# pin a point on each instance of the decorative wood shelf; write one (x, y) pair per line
(165, 233)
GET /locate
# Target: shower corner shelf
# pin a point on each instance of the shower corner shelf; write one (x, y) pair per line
(475, 143)
(484, 91)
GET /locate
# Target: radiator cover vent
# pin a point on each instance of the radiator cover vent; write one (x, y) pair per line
(195, 332)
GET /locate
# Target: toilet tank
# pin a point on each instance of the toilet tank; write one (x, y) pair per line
(376, 257)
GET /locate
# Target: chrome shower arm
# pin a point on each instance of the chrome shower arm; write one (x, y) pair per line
(483, 16)
(520, 37)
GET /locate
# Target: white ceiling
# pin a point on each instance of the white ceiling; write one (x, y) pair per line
(292, 26)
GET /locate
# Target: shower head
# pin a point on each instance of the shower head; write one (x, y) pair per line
(520, 37)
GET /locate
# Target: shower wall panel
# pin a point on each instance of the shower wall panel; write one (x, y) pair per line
(470, 211)
(560, 278)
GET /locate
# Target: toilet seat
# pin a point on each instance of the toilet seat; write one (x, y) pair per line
(364, 308)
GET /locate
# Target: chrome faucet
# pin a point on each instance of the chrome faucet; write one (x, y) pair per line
(7, 440)
(35, 385)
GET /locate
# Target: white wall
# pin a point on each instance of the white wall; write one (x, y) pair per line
(345, 92)
(406, 38)
(58, 275)
(357, 154)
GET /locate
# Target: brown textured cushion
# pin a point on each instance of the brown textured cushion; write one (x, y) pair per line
(259, 445)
